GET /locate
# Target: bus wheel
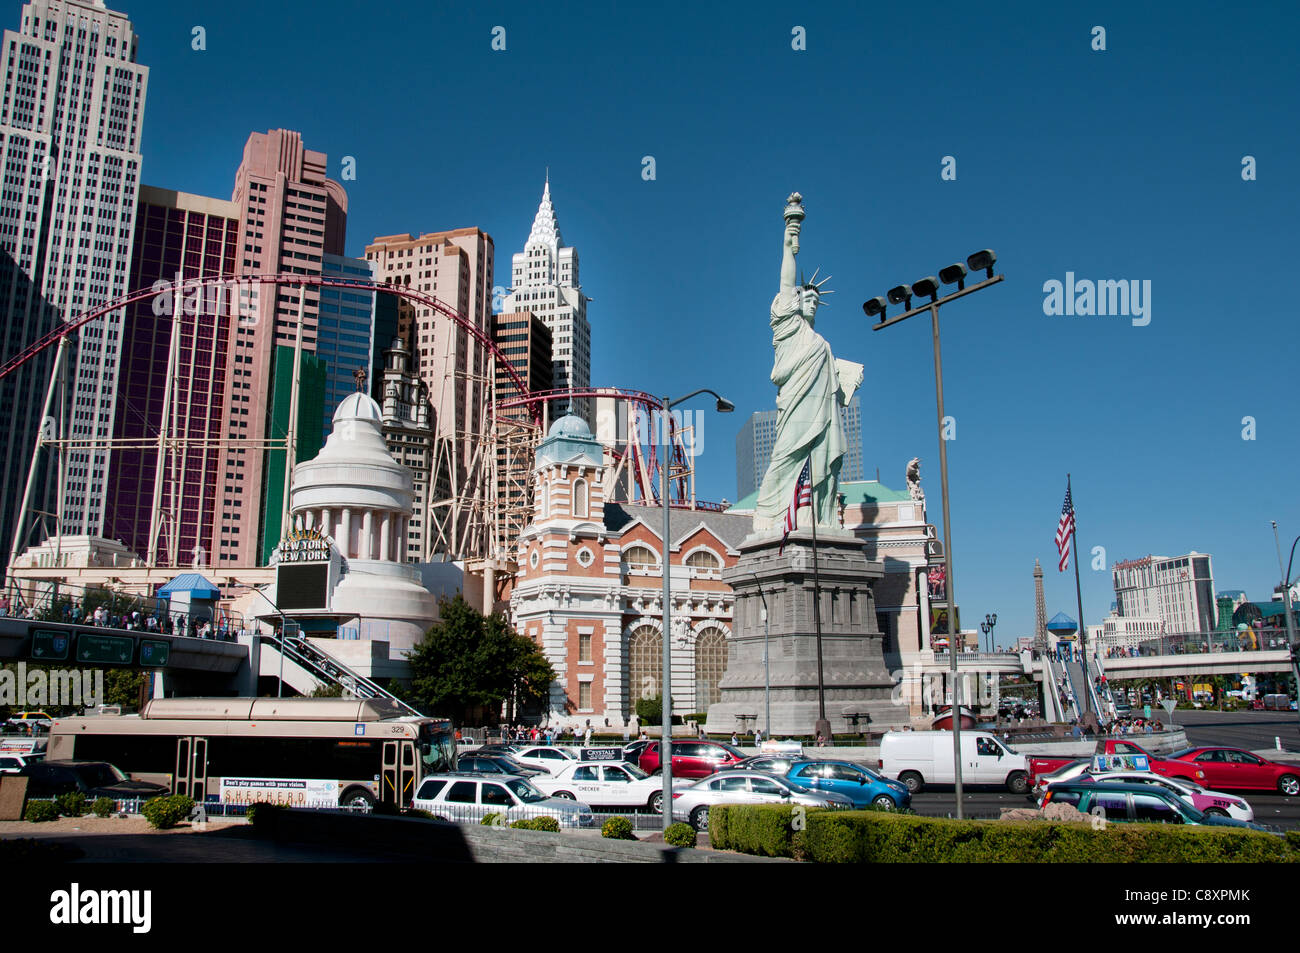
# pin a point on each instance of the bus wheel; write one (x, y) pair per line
(358, 799)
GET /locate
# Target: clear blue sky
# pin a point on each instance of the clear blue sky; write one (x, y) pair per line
(1117, 164)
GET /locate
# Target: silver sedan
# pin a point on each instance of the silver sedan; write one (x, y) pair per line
(691, 804)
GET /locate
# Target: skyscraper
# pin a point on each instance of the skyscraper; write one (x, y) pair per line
(456, 268)
(1178, 590)
(177, 236)
(756, 437)
(525, 341)
(290, 216)
(70, 120)
(350, 336)
(544, 280)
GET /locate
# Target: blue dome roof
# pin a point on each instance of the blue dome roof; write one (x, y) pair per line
(570, 425)
(1062, 622)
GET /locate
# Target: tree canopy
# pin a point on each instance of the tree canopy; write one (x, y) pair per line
(469, 665)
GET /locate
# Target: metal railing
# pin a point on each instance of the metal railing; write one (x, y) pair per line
(330, 670)
(107, 608)
(1200, 643)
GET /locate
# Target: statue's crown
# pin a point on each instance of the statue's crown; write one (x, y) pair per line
(812, 284)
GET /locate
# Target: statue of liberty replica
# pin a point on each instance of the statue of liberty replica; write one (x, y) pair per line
(805, 655)
(812, 388)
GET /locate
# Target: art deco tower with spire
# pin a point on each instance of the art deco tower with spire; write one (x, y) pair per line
(544, 280)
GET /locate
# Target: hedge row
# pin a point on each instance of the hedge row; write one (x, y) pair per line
(879, 837)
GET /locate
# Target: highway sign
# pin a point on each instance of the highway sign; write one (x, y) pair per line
(48, 646)
(105, 649)
(154, 654)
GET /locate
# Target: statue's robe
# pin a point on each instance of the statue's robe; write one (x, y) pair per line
(808, 423)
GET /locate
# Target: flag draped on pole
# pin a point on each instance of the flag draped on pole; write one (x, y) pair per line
(1065, 530)
(802, 497)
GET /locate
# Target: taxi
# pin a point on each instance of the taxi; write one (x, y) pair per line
(1213, 803)
(605, 784)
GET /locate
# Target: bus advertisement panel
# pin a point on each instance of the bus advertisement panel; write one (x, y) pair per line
(288, 792)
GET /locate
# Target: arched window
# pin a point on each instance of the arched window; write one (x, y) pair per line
(638, 557)
(546, 499)
(710, 665)
(703, 559)
(580, 498)
(645, 664)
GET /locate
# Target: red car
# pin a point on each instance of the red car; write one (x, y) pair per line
(691, 759)
(1232, 769)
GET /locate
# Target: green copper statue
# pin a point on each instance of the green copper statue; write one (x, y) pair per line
(812, 387)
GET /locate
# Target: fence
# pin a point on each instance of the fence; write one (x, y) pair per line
(1197, 643)
(108, 608)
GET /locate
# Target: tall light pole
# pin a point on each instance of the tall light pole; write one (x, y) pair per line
(1286, 607)
(954, 274)
(666, 691)
(767, 663)
(987, 627)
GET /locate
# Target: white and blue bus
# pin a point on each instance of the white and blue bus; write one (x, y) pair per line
(310, 752)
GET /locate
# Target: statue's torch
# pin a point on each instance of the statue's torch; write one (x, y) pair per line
(794, 212)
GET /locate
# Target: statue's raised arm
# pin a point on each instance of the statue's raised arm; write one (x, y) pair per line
(794, 214)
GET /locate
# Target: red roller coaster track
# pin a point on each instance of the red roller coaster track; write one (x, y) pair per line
(311, 281)
(533, 400)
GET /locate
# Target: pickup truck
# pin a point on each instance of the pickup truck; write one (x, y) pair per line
(1111, 747)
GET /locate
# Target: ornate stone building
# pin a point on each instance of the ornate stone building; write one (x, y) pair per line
(589, 588)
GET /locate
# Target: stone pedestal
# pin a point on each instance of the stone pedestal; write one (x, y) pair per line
(859, 688)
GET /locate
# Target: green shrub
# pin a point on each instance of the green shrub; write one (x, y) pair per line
(72, 804)
(650, 710)
(892, 837)
(493, 820)
(680, 835)
(537, 824)
(166, 812)
(103, 806)
(617, 828)
(765, 831)
(38, 811)
(417, 812)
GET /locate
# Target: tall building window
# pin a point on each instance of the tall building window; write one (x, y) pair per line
(639, 557)
(703, 559)
(710, 664)
(580, 498)
(645, 664)
(584, 648)
(584, 696)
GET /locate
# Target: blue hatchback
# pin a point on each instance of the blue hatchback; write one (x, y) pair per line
(855, 782)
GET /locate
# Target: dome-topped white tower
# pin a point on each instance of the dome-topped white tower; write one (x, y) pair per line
(356, 494)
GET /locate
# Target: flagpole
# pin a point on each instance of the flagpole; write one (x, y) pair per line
(823, 726)
(1078, 592)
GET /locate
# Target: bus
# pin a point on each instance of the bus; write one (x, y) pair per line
(308, 752)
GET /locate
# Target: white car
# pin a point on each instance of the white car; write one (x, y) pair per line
(691, 804)
(12, 762)
(546, 757)
(1207, 802)
(468, 798)
(605, 783)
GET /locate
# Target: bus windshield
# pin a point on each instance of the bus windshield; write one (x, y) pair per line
(437, 748)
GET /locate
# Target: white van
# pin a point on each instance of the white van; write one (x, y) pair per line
(918, 758)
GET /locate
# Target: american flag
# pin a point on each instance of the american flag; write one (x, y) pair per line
(1065, 530)
(802, 497)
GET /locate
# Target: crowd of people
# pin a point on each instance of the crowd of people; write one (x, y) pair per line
(137, 619)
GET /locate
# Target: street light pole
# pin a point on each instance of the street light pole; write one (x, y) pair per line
(666, 688)
(767, 662)
(1292, 648)
(929, 287)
